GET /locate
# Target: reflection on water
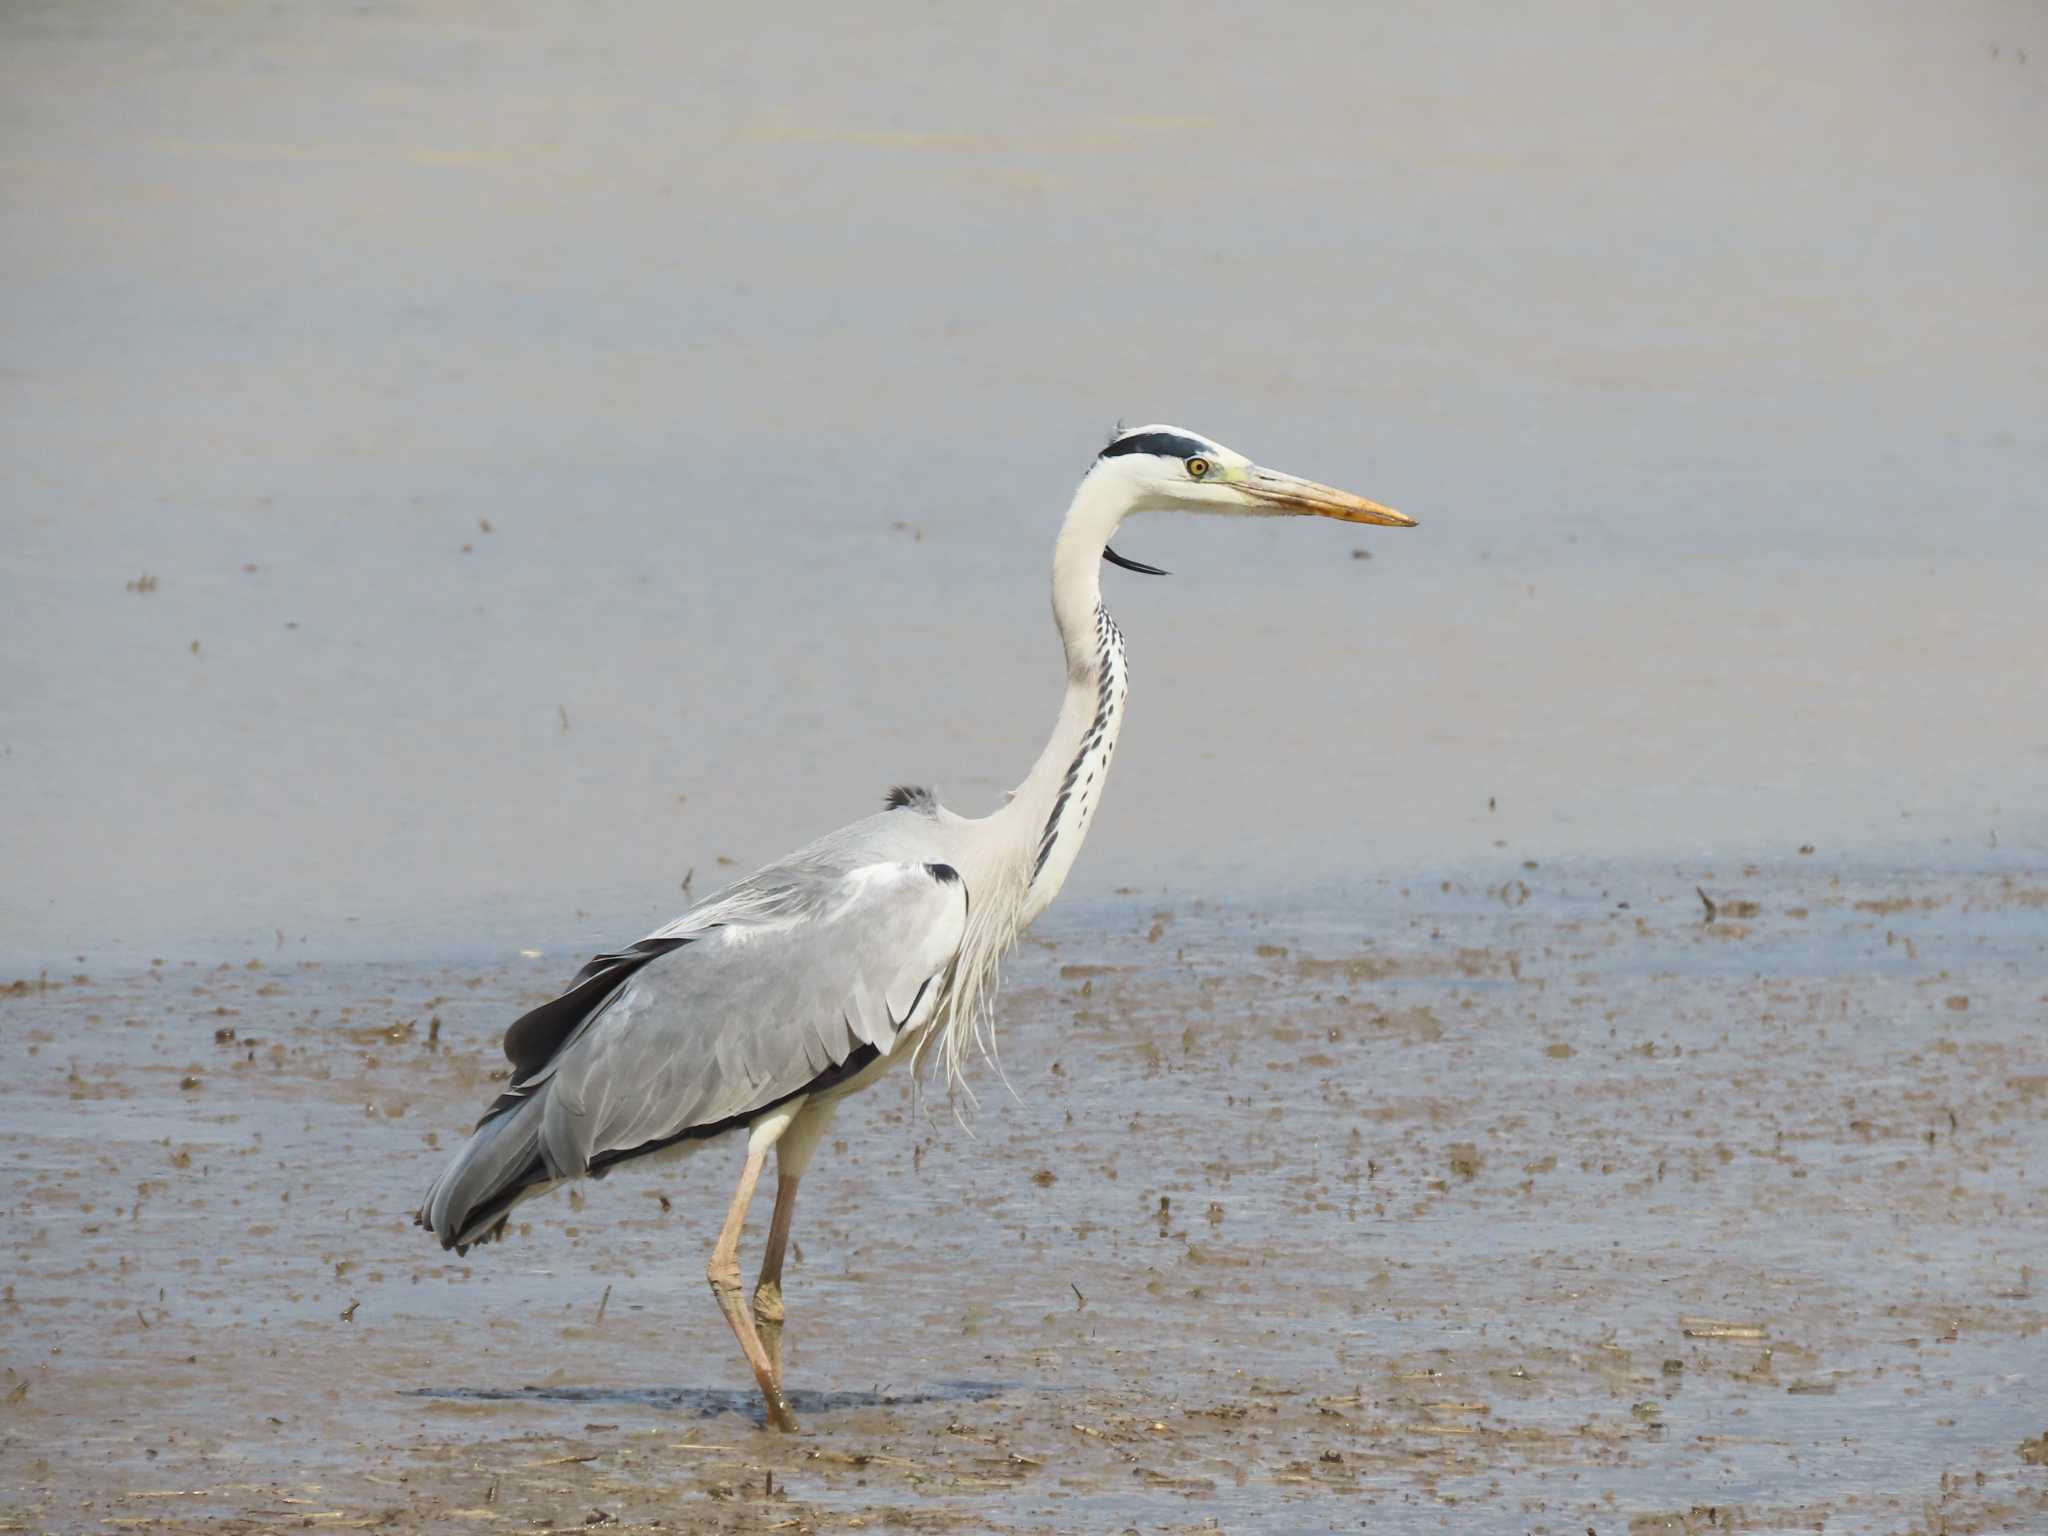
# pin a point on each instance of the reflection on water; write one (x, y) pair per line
(712, 1402)
(566, 460)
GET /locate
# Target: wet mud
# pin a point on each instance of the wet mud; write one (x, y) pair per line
(1545, 1202)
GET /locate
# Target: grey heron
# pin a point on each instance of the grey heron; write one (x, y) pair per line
(764, 1005)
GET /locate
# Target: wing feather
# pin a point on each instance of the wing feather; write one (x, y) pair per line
(751, 1012)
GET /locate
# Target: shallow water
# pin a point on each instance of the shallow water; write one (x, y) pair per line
(770, 349)
(1539, 1204)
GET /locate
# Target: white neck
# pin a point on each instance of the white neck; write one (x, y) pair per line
(1022, 862)
(1049, 813)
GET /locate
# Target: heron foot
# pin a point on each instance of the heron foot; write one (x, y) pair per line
(725, 1288)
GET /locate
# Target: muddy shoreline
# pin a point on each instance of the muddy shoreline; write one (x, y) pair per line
(1534, 1206)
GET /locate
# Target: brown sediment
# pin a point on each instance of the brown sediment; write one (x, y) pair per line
(1345, 1228)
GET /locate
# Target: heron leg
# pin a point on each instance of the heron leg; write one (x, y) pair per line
(793, 1149)
(724, 1274)
(768, 1289)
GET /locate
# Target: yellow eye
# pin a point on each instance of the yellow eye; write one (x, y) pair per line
(1197, 468)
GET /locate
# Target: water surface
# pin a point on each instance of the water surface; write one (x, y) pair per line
(1707, 350)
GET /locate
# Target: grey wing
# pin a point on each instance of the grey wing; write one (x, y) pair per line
(748, 1013)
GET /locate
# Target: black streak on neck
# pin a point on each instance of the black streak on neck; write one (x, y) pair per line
(1105, 640)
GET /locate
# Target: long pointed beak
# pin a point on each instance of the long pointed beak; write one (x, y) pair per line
(1290, 493)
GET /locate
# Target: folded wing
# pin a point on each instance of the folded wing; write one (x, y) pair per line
(748, 1013)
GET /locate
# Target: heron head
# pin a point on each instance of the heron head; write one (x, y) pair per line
(1159, 468)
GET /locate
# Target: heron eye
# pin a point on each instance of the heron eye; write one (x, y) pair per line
(1197, 468)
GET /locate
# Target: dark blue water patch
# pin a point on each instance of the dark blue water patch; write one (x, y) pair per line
(714, 1402)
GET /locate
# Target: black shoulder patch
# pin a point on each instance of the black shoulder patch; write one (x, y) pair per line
(535, 1036)
(1168, 444)
(910, 797)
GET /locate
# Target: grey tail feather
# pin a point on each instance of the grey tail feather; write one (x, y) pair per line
(497, 1167)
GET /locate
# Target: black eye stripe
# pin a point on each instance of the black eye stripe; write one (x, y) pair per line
(1170, 445)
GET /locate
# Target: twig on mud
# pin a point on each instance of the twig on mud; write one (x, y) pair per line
(1714, 1328)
